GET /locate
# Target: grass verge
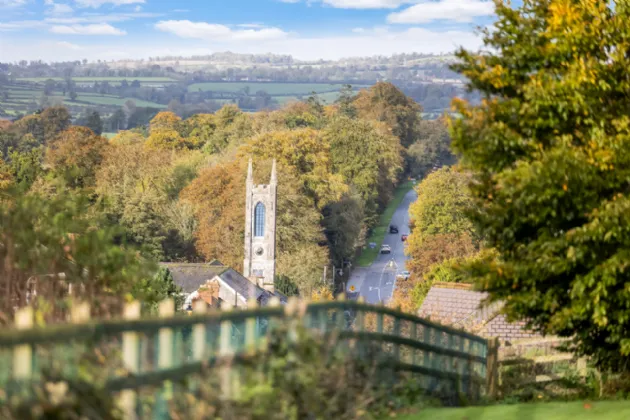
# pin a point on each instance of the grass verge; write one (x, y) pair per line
(599, 410)
(378, 233)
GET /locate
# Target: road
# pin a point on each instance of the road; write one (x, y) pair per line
(379, 279)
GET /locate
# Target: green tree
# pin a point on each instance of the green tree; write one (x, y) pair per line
(94, 122)
(442, 206)
(385, 102)
(367, 156)
(43, 237)
(307, 155)
(431, 148)
(345, 102)
(49, 87)
(550, 151)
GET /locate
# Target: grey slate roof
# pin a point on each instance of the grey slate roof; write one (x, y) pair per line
(190, 277)
(241, 284)
(458, 305)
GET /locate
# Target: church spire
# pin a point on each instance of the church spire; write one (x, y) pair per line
(250, 171)
(274, 176)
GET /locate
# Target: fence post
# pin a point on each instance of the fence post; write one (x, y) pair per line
(79, 312)
(23, 354)
(414, 336)
(199, 332)
(250, 328)
(397, 334)
(492, 367)
(131, 360)
(225, 351)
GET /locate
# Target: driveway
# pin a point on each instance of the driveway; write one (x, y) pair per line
(376, 283)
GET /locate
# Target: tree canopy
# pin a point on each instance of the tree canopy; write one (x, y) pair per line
(550, 151)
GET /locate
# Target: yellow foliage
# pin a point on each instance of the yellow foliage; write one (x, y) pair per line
(321, 294)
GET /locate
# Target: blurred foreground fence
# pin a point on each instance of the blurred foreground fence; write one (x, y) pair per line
(153, 352)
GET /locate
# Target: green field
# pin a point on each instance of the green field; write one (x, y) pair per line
(114, 101)
(578, 410)
(378, 233)
(273, 89)
(99, 79)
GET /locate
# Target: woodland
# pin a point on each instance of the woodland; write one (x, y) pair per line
(176, 191)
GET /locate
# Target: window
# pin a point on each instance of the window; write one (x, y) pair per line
(259, 220)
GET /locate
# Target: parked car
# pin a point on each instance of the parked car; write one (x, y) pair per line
(403, 275)
(393, 229)
(403, 238)
(386, 249)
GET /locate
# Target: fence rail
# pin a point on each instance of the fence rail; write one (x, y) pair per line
(173, 346)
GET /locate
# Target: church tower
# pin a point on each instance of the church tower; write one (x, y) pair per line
(260, 230)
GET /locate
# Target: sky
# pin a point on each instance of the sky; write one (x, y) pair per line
(59, 30)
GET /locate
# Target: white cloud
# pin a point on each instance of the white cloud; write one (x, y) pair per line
(379, 41)
(12, 3)
(98, 3)
(358, 30)
(456, 10)
(95, 29)
(366, 4)
(358, 4)
(216, 32)
(68, 45)
(100, 18)
(58, 8)
(19, 25)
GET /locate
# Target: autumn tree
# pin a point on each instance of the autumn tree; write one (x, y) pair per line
(367, 156)
(549, 147)
(385, 102)
(55, 119)
(140, 187)
(442, 206)
(230, 127)
(75, 155)
(305, 153)
(440, 230)
(431, 148)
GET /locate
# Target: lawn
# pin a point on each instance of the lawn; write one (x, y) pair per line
(272, 89)
(600, 410)
(378, 233)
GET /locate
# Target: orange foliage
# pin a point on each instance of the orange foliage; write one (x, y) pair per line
(77, 152)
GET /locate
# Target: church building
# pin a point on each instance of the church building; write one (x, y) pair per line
(215, 283)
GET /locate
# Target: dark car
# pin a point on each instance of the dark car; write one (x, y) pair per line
(403, 238)
(393, 229)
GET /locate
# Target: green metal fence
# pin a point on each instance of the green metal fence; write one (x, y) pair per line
(171, 347)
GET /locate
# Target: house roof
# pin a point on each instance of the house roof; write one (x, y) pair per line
(190, 277)
(241, 285)
(457, 304)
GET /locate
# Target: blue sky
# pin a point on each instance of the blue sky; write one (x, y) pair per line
(55, 30)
